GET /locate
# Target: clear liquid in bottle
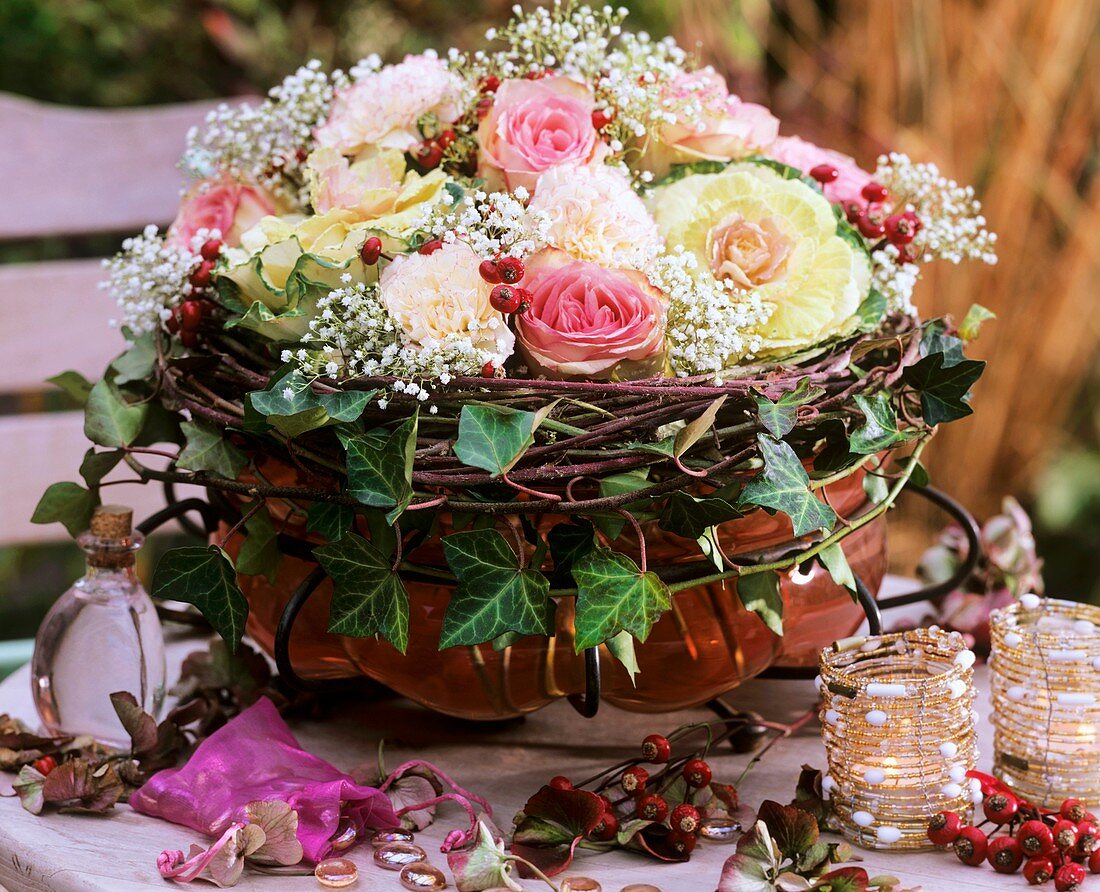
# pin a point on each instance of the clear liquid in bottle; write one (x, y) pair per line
(101, 636)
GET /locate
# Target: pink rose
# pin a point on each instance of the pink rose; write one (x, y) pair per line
(381, 109)
(229, 207)
(534, 125)
(711, 123)
(585, 319)
(805, 156)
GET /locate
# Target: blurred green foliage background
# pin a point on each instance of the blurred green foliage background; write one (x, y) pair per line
(846, 73)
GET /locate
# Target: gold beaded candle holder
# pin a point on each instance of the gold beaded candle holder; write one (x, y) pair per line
(899, 728)
(1046, 699)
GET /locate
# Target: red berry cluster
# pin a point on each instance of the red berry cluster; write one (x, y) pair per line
(1047, 845)
(187, 316)
(503, 273)
(429, 153)
(645, 794)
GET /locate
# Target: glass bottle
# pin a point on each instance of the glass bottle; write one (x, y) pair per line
(100, 637)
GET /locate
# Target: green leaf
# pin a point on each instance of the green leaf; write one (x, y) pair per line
(779, 417)
(74, 384)
(614, 595)
(836, 563)
(679, 171)
(759, 592)
(792, 829)
(690, 433)
(875, 486)
(136, 364)
(493, 595)
(711, 547)
(879, 430)
(380, 465)
(108, 419)
(97, 465)
(784, 486)
(611, 523)
(935, 339)
(260, 555)
(204, 576)
(944, 389)
(368, 596)
(972, 322)
(208, 449)
(569, 542)
(292, 408)
(329, 520)
(871, 310)
(622, 649)
(69, 504)
(687, 516)
(494, 437)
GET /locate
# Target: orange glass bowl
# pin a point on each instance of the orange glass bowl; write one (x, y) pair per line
(705, 646)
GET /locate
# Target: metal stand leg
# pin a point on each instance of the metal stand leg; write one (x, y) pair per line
(588, 703)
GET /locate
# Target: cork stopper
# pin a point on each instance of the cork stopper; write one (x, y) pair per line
(111, 541)
(112, 522)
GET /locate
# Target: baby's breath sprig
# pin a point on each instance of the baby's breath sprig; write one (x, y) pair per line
(494, 224)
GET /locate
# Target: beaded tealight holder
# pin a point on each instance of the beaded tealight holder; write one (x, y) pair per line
(899, 728)
(1046, 699)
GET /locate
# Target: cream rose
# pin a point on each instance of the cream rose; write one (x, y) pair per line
(381, 109)
(592, 213)
(440, 298)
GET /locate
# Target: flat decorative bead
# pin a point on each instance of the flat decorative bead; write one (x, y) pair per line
(395, 855)
(422, 875)
(580, 884)
(336, 873)
(344, 837)
(720, 829)
(384, 837)
(640, 887)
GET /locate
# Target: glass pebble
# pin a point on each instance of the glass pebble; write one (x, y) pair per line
(336, 873)
(395, 855)
(720, 829)
(580, 884)
(384, 837)
(422, 875)
(640, 887)
(344, 837)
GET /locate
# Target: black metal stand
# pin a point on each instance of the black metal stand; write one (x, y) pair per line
(588, 703)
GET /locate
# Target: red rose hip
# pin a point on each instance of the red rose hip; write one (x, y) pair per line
(943, 828)
(652, 807)
(505, 298)
(656, 749)
(1004, 854)
(824, 173)
(971, 846)
(1038, 870)
(685, 818)
(371, 250)
(1069, 877)
(634, 779)
(697, 773)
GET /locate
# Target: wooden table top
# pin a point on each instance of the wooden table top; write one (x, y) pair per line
(505, 763)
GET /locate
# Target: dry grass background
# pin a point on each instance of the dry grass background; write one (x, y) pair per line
(1004, 94)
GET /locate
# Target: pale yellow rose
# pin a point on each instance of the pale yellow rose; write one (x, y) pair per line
(756, 231)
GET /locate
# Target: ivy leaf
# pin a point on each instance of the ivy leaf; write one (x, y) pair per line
(136, 364)
(871, 310)
(568, 543)
(97, 465)
(108, 419)
(711, 547)
(779, 417)
(622, 649)
(493, 595)
(204, 576)
(207, 449)
(614, 595)
(944, 389)
(74, 384)
(380, 465)
(368, 596)
(260, 555)
(879, 430)
(935, 339)
(329, 520)
(687, 516)
(290, 406)
(759, 592)
(494, 438)
(784, 486)
(972, 322)
(834, 560)
(611, 523)
(690, 433)
(69, 504)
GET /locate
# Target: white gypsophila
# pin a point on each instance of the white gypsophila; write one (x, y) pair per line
(149, 276)
(710, 326)
(262, 143)
(494, 224)
(354, 335)
(894, 279)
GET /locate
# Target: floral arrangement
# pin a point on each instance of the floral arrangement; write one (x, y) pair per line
(571, 277)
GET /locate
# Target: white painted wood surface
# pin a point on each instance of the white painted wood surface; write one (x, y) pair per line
(70, 853)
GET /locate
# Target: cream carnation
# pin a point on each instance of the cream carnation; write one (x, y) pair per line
(441, 297)
(381, 109)
(592, 213)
